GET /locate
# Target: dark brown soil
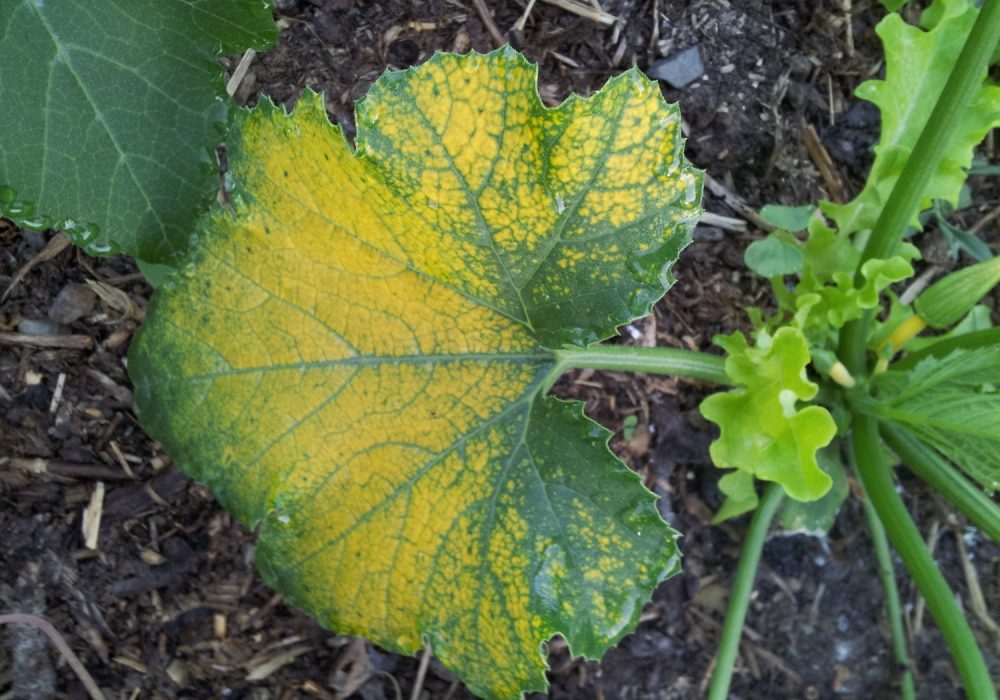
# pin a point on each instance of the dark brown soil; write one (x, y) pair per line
(169, 604)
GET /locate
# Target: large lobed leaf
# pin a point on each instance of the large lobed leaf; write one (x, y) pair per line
(355, 362)
(917, 65)
(111, 114)
(952, 403)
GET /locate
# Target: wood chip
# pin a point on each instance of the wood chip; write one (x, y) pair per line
(241, 70)
(57, 394)
(262, 671)
(92, 516)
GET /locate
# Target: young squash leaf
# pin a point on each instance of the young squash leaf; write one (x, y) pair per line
(354, 363)
(111, 114)
(764, 432)
(917, 65)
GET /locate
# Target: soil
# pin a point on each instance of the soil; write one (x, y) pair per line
(169, 605)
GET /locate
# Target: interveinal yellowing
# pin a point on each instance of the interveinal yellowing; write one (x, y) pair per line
(354, 360)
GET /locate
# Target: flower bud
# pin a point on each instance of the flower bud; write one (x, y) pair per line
(945, 302)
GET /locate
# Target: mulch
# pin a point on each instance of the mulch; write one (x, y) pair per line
(153, 585)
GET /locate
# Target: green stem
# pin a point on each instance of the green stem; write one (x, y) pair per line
(875, 476)
(892, 607)
(944, 479)
(965, 80)
(902, 205)
(739, 597)
(627, 358)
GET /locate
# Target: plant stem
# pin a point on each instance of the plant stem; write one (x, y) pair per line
(944, 479)
(901, 206)
(739, 597)
(966, 78)
(628, 358)
(905, 537)
(892, 607)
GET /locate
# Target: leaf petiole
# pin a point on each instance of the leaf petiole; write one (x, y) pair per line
(875, 475)
(739, 597)
(883, 554)
(627, 358)
(944, 479)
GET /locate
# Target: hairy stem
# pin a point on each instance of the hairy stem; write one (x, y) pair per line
(966, 78)
(905, 537)
(893, 609)
(901, 206)
(739, 597)
(945, 479)
(53, 634)
(628, 358)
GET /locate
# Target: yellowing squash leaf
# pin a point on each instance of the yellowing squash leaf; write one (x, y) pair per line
(355, 363)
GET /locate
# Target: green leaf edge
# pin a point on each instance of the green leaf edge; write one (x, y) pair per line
(24, 213)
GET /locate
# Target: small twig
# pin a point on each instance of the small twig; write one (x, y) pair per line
(976, 600)
(69, 342)
(58, 244)
(821, 157)
(981, 224)
(491, 26)
(578, 8)
(523, 20)
(425, 661)
(726, 223)
(918, 285)
(849, 27)
(654, 36)
(53, 634)
(736, 203)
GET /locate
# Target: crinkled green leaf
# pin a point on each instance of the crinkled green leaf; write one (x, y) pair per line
(815, 517)
(833, 305)
(741, 496)
(355, 363)
(764, 431)
(918, 64)
(953, 404)
(111, 112)
(826, 296)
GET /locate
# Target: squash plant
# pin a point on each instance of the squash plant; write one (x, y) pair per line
(356, 357)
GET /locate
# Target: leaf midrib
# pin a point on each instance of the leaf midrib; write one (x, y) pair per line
(365, 360)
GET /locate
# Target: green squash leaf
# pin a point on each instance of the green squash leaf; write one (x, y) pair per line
(355, 362)
(918, 64)
(817, 517)
(111, 114)
(788, 218)
(764, 432)
(827, 295)
(741, 496)
(951, 403)
(773, 257)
